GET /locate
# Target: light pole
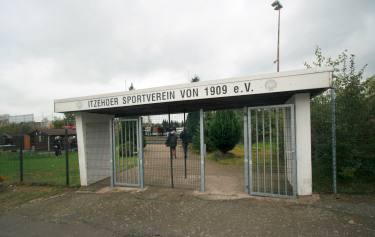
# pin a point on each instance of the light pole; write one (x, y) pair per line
(277, 7)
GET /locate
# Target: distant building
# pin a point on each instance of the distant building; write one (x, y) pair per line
(6, 139)
(24, 118)
(4, 117)
(43, 139)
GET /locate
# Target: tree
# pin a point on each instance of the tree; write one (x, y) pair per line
(195, 79)
(224, 130)
(354, 113)
(58, 123)
(131, 88)
(192, 123)
(69, 119)
(17, 128)
(164, 126)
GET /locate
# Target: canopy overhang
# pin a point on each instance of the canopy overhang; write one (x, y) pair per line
(258, 90)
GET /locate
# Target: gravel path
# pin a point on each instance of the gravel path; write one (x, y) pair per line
(166, 212)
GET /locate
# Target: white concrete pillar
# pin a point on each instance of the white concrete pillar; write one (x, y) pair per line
(301, 103)
(94, 146)
(80, 130)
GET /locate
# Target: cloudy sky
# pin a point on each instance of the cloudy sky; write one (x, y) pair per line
(59, 49)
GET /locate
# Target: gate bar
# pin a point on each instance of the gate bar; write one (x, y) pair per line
(113, 153)
(264, 152)
(250, 152)
(257, 141)
(285, 153)
(333, 118)
(246, 149)
(271, 154)
(294, 156)
(170, 150)
(140, 153)
(202, 148)
(277, 150)
(183, 147)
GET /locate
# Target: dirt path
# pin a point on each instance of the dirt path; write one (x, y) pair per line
(220, 179)
(224, 179)
(167, 212)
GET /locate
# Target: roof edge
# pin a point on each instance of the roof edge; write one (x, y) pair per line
(252, 77)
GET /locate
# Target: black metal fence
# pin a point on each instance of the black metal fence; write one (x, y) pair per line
(59, 167)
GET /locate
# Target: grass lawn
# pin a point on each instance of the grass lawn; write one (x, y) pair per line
(39, 168)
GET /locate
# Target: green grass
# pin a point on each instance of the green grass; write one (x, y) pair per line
(39, 168)
(236, 155)
(233, 157)
(125, 163)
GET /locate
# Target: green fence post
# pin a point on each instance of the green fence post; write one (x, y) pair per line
(67, 156)
(21, 156)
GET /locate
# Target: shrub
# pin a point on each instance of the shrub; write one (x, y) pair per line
(224, 130)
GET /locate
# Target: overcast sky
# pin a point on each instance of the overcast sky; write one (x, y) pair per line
(59, 49)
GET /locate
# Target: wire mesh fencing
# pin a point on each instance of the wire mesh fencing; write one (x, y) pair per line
(353, 146)
(19, 165)
(171, 150)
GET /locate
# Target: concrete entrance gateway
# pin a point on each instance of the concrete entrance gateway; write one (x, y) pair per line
(116, 138)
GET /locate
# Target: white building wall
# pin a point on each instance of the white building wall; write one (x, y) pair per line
(94, 146)
(301, 102)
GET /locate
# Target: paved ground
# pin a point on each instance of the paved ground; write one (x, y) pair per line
(166, 212)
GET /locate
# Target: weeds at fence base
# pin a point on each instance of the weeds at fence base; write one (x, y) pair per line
(14, 195)
(322, 181)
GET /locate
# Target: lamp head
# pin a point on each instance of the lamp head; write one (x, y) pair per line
(276, 2)
(276, 5)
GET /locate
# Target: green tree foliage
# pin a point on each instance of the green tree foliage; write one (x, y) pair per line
(69, 119)
(17, 128)
(195, 79)
(354, 119)
(192, 128)
(131, 88)
(192, 123)
(58, 123)
(224, 130)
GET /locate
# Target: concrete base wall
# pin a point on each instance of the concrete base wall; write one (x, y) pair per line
(301, 103)
(94, 142)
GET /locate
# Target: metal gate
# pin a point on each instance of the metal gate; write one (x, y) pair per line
(177, 167)
(127, 152)
(270, 160)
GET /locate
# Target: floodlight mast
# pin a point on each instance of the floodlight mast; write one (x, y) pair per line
(277, 7)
